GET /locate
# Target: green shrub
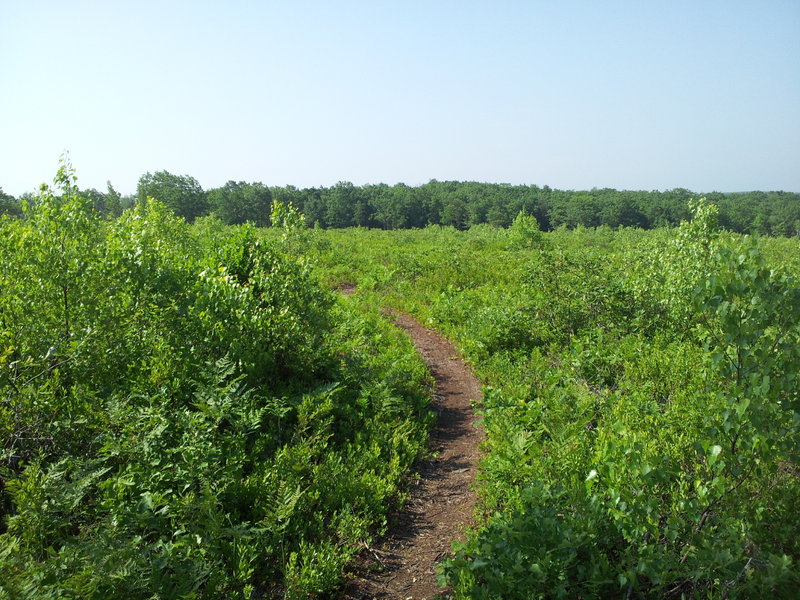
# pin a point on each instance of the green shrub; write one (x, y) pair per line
(186, 412)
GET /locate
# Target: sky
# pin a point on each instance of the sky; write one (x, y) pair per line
(702, 95)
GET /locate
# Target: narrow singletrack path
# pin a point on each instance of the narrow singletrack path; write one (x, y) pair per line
(441, 501)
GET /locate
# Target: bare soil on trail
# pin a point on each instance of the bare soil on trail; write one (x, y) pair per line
(441, 500)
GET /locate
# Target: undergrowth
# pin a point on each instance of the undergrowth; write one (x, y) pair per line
(641, 402)
(186, 412)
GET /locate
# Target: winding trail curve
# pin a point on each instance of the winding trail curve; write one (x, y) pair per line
(442, 499)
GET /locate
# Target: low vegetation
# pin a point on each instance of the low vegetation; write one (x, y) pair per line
(186, 412)
(190, 411)
(641, 402)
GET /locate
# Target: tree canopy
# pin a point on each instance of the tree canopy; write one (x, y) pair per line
(182, 194)
(460, 204)
(239, 202)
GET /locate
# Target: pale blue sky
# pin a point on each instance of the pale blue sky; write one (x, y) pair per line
(631, 95)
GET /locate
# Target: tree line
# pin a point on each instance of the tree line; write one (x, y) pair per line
(450, 203)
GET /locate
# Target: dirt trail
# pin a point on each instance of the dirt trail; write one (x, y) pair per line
(441, 500)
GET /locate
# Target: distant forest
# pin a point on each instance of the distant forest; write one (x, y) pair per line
(450, 203)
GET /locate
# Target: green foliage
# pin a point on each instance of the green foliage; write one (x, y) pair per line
(182, 194)
(640, 404)
(465, 204)
(237, 203)
(524, 231)
(286, 217)
(185, 412)
(9, 205)
(458, 204)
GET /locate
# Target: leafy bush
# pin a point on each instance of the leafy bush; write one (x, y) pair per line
(640, 404)
(185, 412)
(612, 479)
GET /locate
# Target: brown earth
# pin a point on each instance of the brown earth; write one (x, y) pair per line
(441, 499)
